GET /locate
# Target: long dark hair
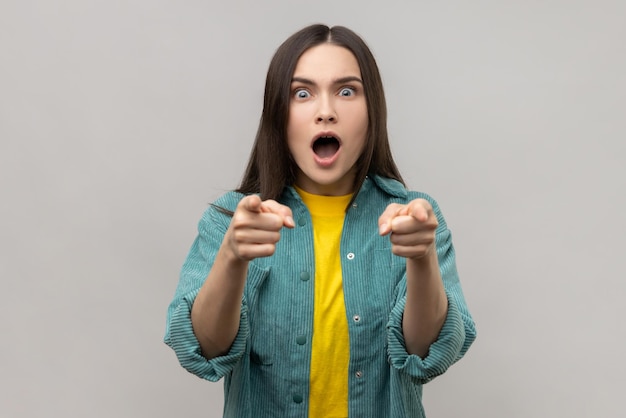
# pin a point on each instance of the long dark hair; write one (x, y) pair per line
(271, 168)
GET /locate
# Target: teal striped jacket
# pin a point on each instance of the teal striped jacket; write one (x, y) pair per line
(266, 370)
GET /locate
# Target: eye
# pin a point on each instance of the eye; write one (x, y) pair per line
(301, 94)
(347, 91)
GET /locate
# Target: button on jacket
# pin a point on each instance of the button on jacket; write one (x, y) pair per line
(266, 370)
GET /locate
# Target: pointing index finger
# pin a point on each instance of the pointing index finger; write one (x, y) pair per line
(252, 203)
(420, 209)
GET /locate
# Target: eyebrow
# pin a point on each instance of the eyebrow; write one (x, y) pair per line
(341, 80)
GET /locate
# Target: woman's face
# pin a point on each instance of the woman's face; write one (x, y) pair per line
(327, 125)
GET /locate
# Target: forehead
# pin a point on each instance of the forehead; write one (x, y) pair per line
(327, 60)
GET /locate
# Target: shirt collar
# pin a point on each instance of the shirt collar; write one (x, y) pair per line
(389, 186)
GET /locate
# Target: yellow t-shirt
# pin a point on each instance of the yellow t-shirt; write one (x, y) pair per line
(330, 355)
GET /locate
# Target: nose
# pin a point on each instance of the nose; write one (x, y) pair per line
(326, 117)
(326, 112)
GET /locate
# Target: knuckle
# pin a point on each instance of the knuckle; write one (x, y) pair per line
(268, 249)
(239, 220)
(274, 237)
(245, 253)
(237, 235)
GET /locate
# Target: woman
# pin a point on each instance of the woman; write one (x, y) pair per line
(321, 287)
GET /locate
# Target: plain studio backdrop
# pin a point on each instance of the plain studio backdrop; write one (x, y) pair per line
(121, 120)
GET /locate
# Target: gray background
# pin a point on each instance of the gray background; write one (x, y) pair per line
(121, 120)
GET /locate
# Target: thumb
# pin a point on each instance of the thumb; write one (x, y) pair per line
(283, 211)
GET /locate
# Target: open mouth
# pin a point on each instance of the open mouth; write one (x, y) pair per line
(326, 146)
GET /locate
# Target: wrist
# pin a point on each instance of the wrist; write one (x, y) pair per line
(229, 258)
(426, 259)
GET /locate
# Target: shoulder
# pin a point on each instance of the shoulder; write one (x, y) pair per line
(228, 201)
(221, 209)
(396, 189)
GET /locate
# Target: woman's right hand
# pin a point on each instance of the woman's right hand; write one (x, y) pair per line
(255, 227)
(253, 232)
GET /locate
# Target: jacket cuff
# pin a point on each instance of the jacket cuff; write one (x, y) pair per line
(444, 352)
(187, 348)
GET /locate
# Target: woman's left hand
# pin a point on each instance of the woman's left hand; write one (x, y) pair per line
(411, 227)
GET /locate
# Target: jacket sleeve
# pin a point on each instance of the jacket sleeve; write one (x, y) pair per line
(458, 331)
(179, 333)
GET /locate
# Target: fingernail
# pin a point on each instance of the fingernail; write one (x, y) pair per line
(289, 221)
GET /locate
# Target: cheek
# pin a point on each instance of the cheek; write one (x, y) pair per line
(360, 123)
(364, 127)
(357, 116)
(295, 121)
(291, 125)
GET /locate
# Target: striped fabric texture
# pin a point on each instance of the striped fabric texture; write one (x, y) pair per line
(266, 372)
